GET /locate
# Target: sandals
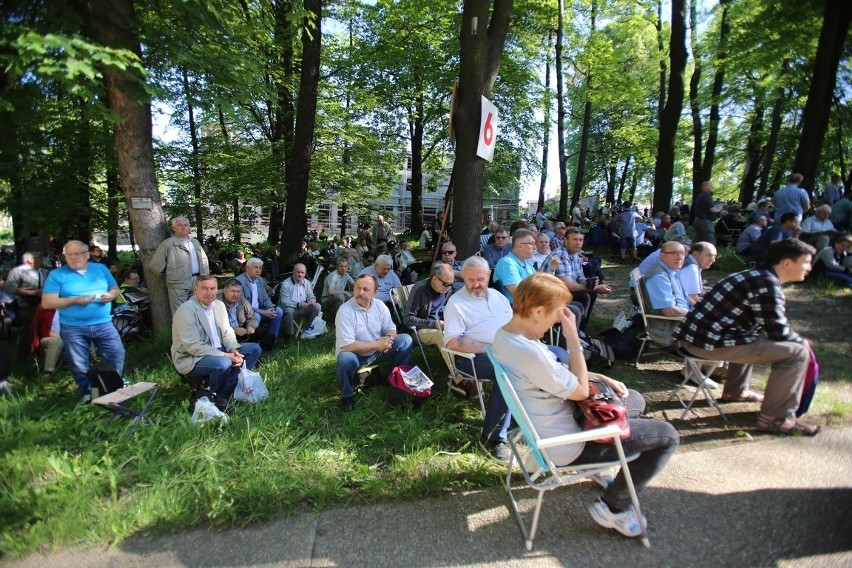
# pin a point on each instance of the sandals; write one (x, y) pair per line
(787, 426)
(745, 396)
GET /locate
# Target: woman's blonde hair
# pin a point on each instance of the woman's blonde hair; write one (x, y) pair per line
(540, 289)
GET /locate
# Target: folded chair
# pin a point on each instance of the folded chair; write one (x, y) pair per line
(539, 471)
(114, 396)
(399, 300)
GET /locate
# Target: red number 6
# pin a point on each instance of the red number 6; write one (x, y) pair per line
(488, 134)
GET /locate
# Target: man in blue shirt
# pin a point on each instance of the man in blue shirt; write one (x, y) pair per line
(665, 293)
(83, 292)
(627, 231)
(516, 265)
(792, 198)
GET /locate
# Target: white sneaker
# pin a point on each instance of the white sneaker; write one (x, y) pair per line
(626, 522)
(709, 383)
(604, 478)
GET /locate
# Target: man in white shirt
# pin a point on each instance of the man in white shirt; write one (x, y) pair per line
(365, 334)
(818, 223)
(336, 290)
(297, 300)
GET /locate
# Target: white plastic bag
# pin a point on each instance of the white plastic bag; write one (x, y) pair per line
(250, 387)
(317, 328)
(206, 410)
(621, 322)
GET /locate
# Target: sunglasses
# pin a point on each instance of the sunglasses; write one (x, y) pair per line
(446, 284)
(448, 252)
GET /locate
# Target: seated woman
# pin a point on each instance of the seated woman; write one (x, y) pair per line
(44, 333)
(834, 261)
(548, 389)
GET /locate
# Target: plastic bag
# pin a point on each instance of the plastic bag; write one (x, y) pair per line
(206, 411)
(250, 387)
(317, 328)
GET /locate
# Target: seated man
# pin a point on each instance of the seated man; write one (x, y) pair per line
(742, 320)
(677, 228)
(298, 300)
(664, 292)
(516, 265)
(240, 313)
(750, 235)
(541, 255)
(701, 256)
(472, 317)
(786, 228)
(336, 290)
(365, 334)
(203, 343)
(449, 255)
(425, 308)
(834, 262)
(498, 249)
(818, 227)
(386, 278)
(400, 263)
(584, 290)
(254, 290)
(44, 332)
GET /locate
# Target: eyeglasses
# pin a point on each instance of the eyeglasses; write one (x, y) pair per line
(76, 254)
(673, 252)
(448, 252)
(530, 243)
(499, 238)
(446, 284)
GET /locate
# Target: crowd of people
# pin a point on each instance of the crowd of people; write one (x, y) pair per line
(524, 279)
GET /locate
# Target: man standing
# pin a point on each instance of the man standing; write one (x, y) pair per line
(96, 254)
(254, 290)
(204, 344)
(386, 278)
(626, 221)
(25, 283)
(382, 231)
(792, 199)
(499, 248)
(365, 334)
(83, 292)
(298, 300)
(240, 313)
(742, 320)
(516, 265)
(704, 210)
(335, 290)
(832, 191)
(181, 259)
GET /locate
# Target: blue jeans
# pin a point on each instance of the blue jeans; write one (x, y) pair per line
(274, 323)
(349, 362)
(221, 375)
(78, 338)
(495, 427)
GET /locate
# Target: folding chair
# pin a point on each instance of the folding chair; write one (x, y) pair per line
(399, 300)
(115, 396)
(694, 368)
(457, 374)
(539, 471)
(645, 336)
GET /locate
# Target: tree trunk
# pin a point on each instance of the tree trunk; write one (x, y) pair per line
(660, 47)
(83, 163)
(481, 50)
(774, 130)
(611, 198)
(545, 141)
(115, 25)
(716, 96)
(303, 139)
(236, 233)
(835, 25)
(416, 132)
(560, 115)
(694, 107)
(664, 168)
(752, 161)
(194, 160)
(113, 197)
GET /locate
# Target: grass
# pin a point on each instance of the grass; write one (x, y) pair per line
(67, 481)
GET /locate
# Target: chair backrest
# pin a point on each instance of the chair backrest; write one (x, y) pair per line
(399, 298)
(636, 278)
(517, 410)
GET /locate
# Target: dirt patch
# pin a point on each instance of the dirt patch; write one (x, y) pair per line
(816, 311)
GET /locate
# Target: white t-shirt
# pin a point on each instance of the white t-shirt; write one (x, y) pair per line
(475, 318)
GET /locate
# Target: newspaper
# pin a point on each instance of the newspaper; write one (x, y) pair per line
(416, 380)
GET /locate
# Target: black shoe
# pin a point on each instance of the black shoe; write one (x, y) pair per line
(268, 343)
(348, 404)
(287, 338)
(498, 449)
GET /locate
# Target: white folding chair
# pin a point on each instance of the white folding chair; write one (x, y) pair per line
(694, 368)
(457, 374)
(539, 471)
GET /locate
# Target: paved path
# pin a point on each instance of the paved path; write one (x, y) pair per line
(772, 502)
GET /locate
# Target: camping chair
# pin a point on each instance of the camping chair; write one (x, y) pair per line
(539, 471)
(399, 300)
(645, 335)
(459, 375)
(113, 395)
(729, 249)
(694, 367)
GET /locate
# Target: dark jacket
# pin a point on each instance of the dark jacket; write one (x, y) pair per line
(419, 303)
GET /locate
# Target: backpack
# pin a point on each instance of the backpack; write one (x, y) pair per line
(598, 354)
(400, 392)
(624, 344)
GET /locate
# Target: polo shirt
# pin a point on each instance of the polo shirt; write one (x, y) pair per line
(354, 323)
(475, 318)
(510, 270)
(664, 289)
(96, 280)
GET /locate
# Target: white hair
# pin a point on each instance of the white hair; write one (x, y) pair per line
(254, 260)
(385, 258)
(475, 262)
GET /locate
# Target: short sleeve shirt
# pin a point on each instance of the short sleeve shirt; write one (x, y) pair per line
(96, 280)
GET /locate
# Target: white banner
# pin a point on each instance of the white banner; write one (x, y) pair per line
(487, 131)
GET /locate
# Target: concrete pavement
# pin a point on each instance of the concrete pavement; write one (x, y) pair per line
(768, 502)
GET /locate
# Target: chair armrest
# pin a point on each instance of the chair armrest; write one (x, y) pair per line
(470, 356)
(611, 431)
(665, 318)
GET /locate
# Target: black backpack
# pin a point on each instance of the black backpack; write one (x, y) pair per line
(624, 344)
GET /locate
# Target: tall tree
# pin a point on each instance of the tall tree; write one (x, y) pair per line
(561, 112)
(664, 168)
(545, 141)
(832, 37)
(482, 38)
